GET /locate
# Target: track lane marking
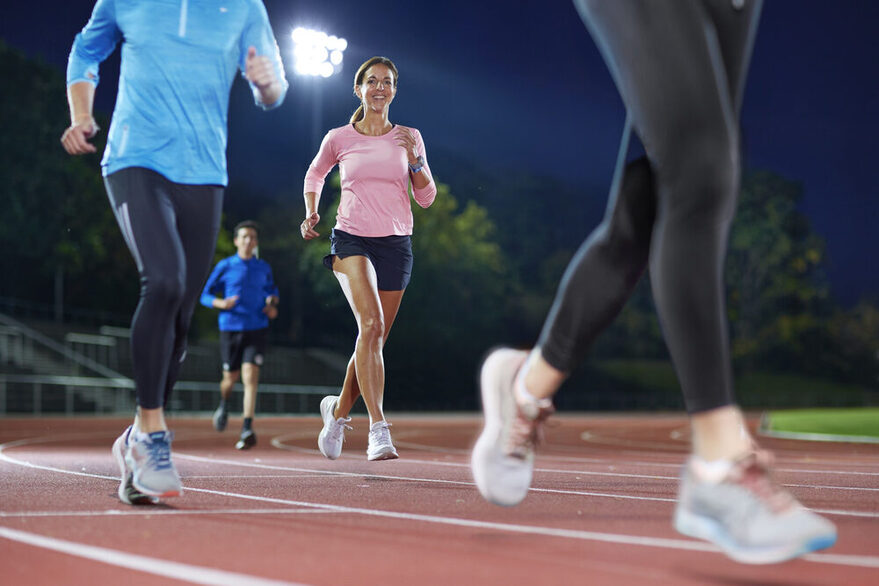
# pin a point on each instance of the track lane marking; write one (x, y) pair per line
(151, 510)
(4, 457)
(667, 543)
(279, 442)
(156, 566)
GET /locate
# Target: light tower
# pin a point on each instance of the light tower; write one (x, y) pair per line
(316, 54)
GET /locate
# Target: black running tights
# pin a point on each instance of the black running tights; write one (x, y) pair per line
(171, 231)
(680, 67)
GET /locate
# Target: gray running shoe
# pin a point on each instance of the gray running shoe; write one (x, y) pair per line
(503, 457)
(220, 418)
(748, 515)
(380, 445)
(127, 493)
(246, 441)
(148, 456)
(332, 436)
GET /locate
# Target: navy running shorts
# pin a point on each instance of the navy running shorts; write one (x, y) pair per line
(391, 256)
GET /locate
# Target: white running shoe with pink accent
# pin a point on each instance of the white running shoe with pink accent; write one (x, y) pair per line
(503, 457)
(748, 515)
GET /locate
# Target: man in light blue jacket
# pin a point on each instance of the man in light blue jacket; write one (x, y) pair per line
(165, 173)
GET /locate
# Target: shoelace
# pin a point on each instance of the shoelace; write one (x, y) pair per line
(382, 434)
(752, 472)
(525, 433)
(338, 430)
(159, 452)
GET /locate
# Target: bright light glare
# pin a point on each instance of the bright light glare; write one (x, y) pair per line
(316, 53)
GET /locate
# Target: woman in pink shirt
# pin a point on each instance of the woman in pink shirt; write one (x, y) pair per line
(371, 248)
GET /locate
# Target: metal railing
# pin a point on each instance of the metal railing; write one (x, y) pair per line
(72, 395)
(32, 336)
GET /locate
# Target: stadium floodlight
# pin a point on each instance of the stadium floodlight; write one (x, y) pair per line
(316, 53)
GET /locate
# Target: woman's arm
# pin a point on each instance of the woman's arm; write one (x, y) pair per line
(311, 216)
(325, 159)
(423, 186)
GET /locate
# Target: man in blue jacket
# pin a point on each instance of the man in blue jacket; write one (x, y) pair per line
(243, 289)
(165, 172)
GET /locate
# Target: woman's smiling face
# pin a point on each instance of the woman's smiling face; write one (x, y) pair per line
(378, 88)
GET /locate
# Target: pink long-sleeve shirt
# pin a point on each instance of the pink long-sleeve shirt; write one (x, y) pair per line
(375, 178)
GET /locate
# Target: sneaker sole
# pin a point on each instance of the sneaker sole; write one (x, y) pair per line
(487, 449)
(710, 530)
(172, 492)
(155, 493)
(385, 455)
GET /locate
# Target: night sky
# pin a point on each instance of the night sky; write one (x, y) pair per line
(520, 85)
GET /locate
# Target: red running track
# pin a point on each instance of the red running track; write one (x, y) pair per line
(599, 511)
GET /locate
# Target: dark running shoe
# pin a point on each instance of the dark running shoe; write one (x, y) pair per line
(221, 417)
(246, 441)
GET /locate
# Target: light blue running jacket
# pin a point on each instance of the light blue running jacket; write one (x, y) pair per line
(179, 59)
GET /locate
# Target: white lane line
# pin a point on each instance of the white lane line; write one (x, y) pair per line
(838, 559)
(150, 511)
(4, 457)
(659, 542)
(833, 472)
(278, 442)
(251, 476)
(823, 487)
(158, 567)
(867, 514)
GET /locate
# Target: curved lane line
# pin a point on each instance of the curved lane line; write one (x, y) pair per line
(158, 567)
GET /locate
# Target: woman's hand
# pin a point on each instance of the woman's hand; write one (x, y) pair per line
(306, 228)
(405, 139)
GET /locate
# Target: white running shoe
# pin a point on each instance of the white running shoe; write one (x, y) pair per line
(748, 515)
(380, 445)
(127, 493)
(332, 436)
(503, 457)
(148, 457)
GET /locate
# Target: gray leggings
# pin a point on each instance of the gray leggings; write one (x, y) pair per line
(680, 67)
(171, 231)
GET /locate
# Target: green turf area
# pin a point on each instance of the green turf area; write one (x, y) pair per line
(863, 422)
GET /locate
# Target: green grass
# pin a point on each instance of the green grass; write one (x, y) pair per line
(850, 422)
